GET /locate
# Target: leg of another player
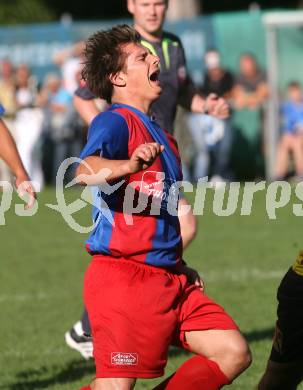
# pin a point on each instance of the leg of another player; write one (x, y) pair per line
(281, 376)
(221, 356)
(188, 223)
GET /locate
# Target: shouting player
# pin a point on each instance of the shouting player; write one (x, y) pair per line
(177, 88)
(139, 294)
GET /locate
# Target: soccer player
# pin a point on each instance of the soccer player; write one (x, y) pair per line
(284, 367)
(139, 294)
(9, 153)
(149, 17)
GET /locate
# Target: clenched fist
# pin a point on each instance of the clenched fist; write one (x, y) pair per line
(144, 156)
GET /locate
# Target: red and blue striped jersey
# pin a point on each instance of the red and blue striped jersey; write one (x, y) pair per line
(151, 234)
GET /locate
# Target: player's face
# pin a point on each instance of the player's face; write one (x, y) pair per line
(149, 15)
(142, 73)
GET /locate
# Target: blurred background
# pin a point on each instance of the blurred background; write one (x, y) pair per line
(248, 52)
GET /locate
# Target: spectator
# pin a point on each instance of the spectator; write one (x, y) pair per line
(210, 134)
(249, 97)
(251, 89)
(291, 142)
(60, 121)
(69, 62)
(28, 123)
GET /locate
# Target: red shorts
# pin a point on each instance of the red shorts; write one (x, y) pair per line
(136, 311)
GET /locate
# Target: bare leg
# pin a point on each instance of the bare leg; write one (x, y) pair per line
(227, 348)
(282, 156)
(297, 149)
(113, 384)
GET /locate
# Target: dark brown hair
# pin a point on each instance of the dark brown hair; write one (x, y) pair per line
(103, 56)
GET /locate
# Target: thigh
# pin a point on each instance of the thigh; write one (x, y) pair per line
(202, 318)
(215, 343)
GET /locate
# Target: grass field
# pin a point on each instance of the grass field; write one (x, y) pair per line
(242, 260)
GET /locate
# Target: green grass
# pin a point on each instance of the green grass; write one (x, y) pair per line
(242, 260)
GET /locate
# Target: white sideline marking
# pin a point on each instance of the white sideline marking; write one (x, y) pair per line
(242, 275)
(227, 275)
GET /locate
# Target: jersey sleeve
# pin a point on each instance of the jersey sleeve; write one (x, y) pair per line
(108, 137)
(2, 110)
(187, 87)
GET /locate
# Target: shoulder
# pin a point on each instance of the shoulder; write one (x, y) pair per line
(174, 39)
(110, 121)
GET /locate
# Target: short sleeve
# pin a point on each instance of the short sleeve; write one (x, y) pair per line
(108, 137)
(2, 110)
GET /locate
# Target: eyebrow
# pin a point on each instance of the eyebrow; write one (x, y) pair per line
(143, 52)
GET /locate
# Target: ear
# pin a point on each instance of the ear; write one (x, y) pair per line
(131, 6)
(118, 79)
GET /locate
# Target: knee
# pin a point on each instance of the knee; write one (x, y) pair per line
(240, 356)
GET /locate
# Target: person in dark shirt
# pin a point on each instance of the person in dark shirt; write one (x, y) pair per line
(217, 79)
(251, 90)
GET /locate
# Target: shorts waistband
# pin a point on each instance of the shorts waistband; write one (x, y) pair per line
(147, 267)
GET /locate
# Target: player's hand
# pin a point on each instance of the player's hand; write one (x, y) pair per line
(217, 107)
(144, 156)
(192, 276)
(24, 186)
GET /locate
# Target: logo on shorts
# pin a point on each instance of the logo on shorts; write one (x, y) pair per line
(124, 359)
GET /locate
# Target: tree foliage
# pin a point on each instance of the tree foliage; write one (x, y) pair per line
(25, 11)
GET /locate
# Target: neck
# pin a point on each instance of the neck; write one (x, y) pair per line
(140, 105)
(153, 37)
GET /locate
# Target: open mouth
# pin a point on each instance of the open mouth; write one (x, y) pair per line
(155, 76)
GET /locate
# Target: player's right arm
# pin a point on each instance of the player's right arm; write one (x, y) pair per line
(95, 170)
